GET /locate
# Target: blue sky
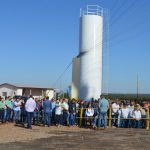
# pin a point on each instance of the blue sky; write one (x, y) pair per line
(38, 39)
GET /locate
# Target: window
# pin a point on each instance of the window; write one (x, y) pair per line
(4, 94)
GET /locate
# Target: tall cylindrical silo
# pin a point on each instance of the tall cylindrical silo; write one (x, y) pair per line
(90, 52)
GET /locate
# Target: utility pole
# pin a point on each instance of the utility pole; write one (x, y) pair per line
(137, 96)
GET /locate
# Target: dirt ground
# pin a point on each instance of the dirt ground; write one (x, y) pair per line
(72, 138)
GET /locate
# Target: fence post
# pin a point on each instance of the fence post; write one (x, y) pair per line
(110, 111)
(147, 116)
(81, 114)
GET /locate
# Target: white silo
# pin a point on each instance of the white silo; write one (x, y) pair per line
(90, 52)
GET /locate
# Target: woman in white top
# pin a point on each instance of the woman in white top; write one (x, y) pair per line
(89, 113)
(58, 112)
(124, 116)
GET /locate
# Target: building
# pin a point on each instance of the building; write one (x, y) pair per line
(75, 78)
(7, 89)
(87, 71)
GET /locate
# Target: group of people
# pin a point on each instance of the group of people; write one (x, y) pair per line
(12, 109)
(129, 115)
(37, 111)
(73, 112)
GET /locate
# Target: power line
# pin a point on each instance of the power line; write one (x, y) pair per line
(136, 24)
(124, 12)
(113, 5)
(115, 12)
(68, 66)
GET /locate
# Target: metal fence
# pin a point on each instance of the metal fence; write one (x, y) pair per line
(110, 117)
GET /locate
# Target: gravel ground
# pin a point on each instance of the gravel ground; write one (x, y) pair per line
(12, 133)
(73, 138)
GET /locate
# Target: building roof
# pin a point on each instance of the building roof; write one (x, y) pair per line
(27, 86)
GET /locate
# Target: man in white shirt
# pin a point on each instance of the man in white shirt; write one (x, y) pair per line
(130, 116)
(30, 107)
(115, 109)
(65, 107)
(137, 116)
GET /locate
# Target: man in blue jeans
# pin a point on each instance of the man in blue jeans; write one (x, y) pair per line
(103, 108)
(30, 107)
(16, 110)
(2, 110)
(72, 112)
(47, 108)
